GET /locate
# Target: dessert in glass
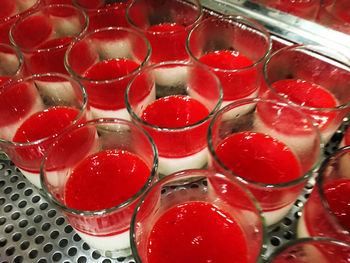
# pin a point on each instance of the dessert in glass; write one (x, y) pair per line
(44, 34)
(197, 216)
(165, 24)
(314, 79)
(235, 48)
(97, 184)
(273, 149)
(103, 13)
(335, 14)
(31, 117)
(11, 11)
(175, 111)
(104, 61)
(316, 249)
(326, 212)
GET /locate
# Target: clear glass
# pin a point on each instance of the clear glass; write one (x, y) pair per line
(165, 24)
(318, 216)
(179, 147)
(103, 13)
(234, 48)
(327, 69)
(317, 249)
(197, 186)
(11, 64)
(290, 129)
(11, 12)
(105, 230)
(25, 98)
(104, 61)
(44, 35)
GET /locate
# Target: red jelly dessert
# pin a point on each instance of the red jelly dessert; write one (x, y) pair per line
(8, 8)
(109, 95)
(177, 111)
(218, 238)
(259, 158)
(238, 84)
(168, 42)
(311, 95)
(41, 125)
(338, 199)
(15, 103)
(105, 179)
(4, 79)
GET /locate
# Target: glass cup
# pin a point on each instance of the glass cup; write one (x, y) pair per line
(317, 249)
(270, 147)
(234, 48)
(209, 217)
(11, 11)
(103, 13)
(335, 14)
(97, 184)
(32, 115)
(104, 62)
(326, 212)
(165, 24)
(174, 102)
(44, 34)
(314, 79)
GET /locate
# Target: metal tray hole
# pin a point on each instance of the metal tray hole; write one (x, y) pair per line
(8, 208)
(95, 255)
(16, 237)
(33, 253)
(42, 260)
(36, 199)
(2, 220)
(45, 226)
(38, 218)
(14, 179)
(86, 246)
(21, 185)
(288, 235)
(8, 190)
(31, 231)
(76, 238)
(14, 197)
(39, 239)
(54, 234)
(121, 259)
(82, 259)
(28, 192)
(30, 211)
(275, 241)
(48, 248)
(10, 251)
(287, 221)
(106, 261)
(9, 229)
(22, 204)
(24, 245)
(60, 221)
(57, 257)
(63, 243)
(3, 242)
(2, 183)
(51, 213)
(18, 259)
(44, 206)
(2, 200)
(7, 172)
(23, 223)
(68, 229)
(15, 215)
(72, 251)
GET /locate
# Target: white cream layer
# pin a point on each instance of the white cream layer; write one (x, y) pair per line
(275, 216)
(168, 166)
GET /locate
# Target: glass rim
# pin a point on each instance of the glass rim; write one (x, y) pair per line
(307, 175)
(19, 55)
(83, 108)
(150, 179)
(305, 240)
(89, 34)
(240, 19)
(320, 183)
(163, 65)
(17, 15)
(196, 3)
(184, 174)
(41, 9)
(313, 48)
